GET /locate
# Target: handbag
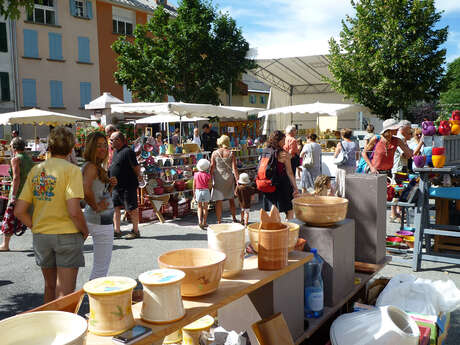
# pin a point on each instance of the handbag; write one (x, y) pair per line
(308, 160)
(341, 158)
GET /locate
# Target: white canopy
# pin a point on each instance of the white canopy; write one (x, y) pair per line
(103, 102)
(317, 108)
(180, 109)
(38, 117)
(165, 118)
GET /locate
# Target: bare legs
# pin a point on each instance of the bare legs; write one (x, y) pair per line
(6, 243)
(203, 214)
(133, 215)
(59, 282)
(219, 210)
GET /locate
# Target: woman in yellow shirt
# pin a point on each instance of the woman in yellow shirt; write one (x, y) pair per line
(55, 188)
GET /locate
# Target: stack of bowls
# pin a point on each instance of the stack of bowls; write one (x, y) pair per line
(438, 158)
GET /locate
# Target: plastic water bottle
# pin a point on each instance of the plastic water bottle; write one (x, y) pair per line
(313, 284)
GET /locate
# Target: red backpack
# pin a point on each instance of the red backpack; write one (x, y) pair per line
(266, 171)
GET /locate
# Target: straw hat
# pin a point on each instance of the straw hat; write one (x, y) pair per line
(389, 124)
(244, 179)
(203, 165)
(223, 141)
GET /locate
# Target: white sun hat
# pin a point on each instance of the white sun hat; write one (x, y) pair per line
(203, 165)
(389, 124)
(244, 179)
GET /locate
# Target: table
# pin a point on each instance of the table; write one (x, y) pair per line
(248, 281)
(423, 227)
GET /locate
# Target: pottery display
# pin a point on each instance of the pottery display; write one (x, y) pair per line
(253, 232)
(158, 190)
(438, 160)
(428, 128)
(162, 302)
(173, 338)
(444, 128)
(202, 267)
(455, 129)
(419, 161)
(192, 332)
(273, 246)
(320, 210)
(44, 328)
(110, 300)
(170, 149)
(179, 185)
(437, 151)
(229, 239)
(455, 115)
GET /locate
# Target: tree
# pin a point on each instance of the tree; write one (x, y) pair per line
(189, 57)
(389, 55)
(12, 8)
(451, 98)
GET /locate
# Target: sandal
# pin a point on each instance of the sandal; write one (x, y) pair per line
(117, 234)
(395, 219)
(132, 235)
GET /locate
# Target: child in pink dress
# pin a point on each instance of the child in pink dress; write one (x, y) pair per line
(201, 187)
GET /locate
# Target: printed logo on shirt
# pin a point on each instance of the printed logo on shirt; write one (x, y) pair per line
(43, 186)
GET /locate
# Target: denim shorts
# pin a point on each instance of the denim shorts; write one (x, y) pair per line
(202, 195)
(59, 250)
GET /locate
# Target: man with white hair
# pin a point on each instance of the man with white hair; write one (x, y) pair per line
(400, 162)
(290, 145)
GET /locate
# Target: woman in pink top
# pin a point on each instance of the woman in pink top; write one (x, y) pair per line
(201, 186)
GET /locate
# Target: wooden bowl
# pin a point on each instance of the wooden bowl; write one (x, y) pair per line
(320, 210)
(44, 327)
(253, 231)
(203, 269)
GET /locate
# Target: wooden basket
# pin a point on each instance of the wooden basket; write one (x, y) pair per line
(273, 247)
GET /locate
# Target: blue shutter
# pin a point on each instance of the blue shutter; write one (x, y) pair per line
(83, 49)
(30, 43)
(55, 46)
(56, 93)
(73, 8)
(89, 9)
(29, 92)
(85, 93)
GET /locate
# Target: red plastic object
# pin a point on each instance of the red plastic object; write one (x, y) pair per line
(179, 185)
(455, 115)
(394, 239)
(425, 334)
(158, 190)
(444, 128)
(437, 151)
(390, 193)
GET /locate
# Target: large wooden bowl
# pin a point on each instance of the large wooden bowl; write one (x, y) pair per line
(202, 267)
(253, 231)
(320, 210)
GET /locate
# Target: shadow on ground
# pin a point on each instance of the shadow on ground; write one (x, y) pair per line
(20, 303)
(187, 237)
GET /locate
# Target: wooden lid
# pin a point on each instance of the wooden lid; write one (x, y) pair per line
(162, 276)
(109, 285)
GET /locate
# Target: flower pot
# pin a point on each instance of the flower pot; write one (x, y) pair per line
(455, 115)
(273, 247)
(428, 128)
(419, 161)
(438, 160)
(192, 332)
(455, 129)
(437, 151)
(444, 128)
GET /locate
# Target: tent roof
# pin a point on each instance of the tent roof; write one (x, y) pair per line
(316, 108)
(295, 75)
(165, 118)
(36, 116)
(103, 102)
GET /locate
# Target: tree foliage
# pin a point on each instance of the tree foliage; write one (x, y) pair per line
(451, 98)
(12, 8)
(189, 57)
(389, 55)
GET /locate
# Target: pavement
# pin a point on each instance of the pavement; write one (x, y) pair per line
(21, 282)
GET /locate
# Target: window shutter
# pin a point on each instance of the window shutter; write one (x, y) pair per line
(55, 46)
(83, 49)
(56, 93)
(3, 38)
(5, 86)
(89, 9)
(30, 43)
(85, 93)
(29, 92)
(73, 8)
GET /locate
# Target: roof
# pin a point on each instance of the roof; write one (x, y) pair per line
(146, 5)
(103, 102)
(254, 84)
(295, 75)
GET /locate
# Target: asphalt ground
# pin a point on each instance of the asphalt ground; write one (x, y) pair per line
(21, 282)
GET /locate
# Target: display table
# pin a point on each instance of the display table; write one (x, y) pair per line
(248, 281)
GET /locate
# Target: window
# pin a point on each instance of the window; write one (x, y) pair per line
(30, 43)
(3, 38)
(29, 93)
(56, 94)
(83, 50)
(85, 93)
(252, 99)
(263, 99)
(5, 86)
(123, 21)
(81, 8)
(55, 46)
(42, 12)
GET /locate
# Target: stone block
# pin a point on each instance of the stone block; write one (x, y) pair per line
(367, 195)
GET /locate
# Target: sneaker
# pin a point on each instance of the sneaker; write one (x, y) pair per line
(117, 234)
(132, 235)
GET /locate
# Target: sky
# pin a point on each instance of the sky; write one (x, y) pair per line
(285, 28)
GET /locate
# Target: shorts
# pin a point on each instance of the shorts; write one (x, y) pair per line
(59, 250)
(202, 195)
(125, 197)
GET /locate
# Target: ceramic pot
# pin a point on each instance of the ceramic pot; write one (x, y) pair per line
(444, 128)
(273, 247)
(428, 128)
(229, 239)
(192, 332)
(455, 127)
(202, 267)
(455, 115)
(162, 150)
(189, 184)
(162, 301)
(253, 232)
(110, 300)
(320, 210)
(158, 190)
(438, 160)
(437, 151)
(170, 150)
(419, 161)
(173, 338)
(179, 185)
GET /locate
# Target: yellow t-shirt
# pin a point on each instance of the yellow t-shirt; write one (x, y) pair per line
(48, 186)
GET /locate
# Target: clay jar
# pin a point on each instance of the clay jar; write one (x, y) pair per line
(438, 160)
(273, 246)
(162, 301)
(444, 128)
(192, 332)
(419, 161)
(110, 300)
(428, 128)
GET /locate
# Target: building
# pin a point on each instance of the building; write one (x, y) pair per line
(115, 18)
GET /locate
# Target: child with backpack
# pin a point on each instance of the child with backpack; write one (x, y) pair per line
(201, 191)
(244, 192)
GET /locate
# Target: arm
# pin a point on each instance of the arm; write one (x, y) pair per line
(73, 207)
(286, 159)
(369, 148)
(419, 146)
(406, 150)
(21, 213)
(16, 177)
(89, 175)
(357, 153)
(137, 171)
(234, 167)
(213, 164)
(338, 149)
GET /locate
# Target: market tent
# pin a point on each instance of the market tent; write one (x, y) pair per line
(166, 118)
(39, 117)
(247, 110)
(103, 102)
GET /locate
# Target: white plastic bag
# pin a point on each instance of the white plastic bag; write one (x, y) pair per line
(422, 296)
